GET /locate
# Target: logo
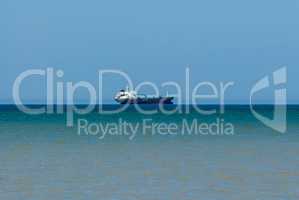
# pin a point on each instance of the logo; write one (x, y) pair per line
(63, 93)
(279, 121)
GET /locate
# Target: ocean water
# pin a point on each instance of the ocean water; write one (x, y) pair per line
(42, 158)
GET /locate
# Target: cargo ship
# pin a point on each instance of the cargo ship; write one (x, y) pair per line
(131, 97)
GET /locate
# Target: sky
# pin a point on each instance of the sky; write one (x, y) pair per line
(220, 41)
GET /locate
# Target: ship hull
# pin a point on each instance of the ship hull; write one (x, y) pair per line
(160, 100)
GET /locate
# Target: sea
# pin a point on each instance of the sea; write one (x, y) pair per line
(130, 155)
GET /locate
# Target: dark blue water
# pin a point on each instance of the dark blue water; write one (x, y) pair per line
(42, 158)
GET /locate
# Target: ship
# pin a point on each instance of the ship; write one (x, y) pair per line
(131, 97)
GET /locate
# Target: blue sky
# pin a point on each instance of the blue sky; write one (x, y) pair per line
(232, 40)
